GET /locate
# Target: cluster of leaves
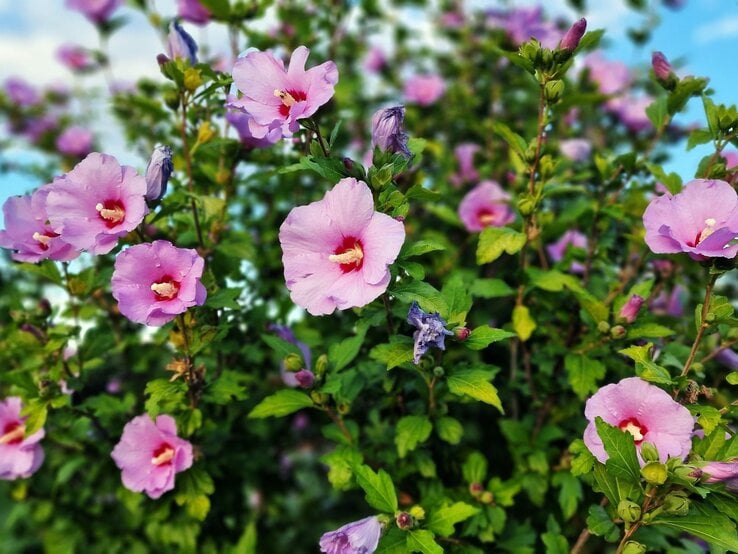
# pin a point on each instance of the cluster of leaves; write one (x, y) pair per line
(476, 447)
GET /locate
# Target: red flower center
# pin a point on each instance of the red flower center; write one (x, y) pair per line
(350, 255)
(13, 433)
(44, 239)
(635, 428)
(486, 217)
(112, 212)
(163, 455)
(289, 98)
(706, 232)
(166, 288)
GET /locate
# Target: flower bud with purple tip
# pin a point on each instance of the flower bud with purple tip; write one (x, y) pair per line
(158, 172)
(388, 133)
(630, 309)
(573, 35)
(180, 45)
(661, 66)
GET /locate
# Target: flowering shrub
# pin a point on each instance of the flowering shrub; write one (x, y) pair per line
(309, 317)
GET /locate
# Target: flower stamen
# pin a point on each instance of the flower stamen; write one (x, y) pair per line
(165, 290)
(113, 215)
(286, 98)
(635, 428)
(14, 435)
(163, 455)
(44, 240)
(350, 256)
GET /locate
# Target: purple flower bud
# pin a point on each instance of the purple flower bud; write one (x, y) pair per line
(180, 44)
(462, 333)
(661, 66)
(357, 537)
(431, 331)
(723, 472)
(727, 357)
(305, 378)
(630, 309)
(573, 35)
(157, 173)
(404, 520)
(387, 131)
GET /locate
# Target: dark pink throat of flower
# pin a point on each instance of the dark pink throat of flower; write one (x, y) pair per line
(44, 239)
(163, 455)
(635, 428)
(706, 232)
(112, 212)
(166, 288)
(13, 433)
(486, 217)
(349, 255)
(289, 98)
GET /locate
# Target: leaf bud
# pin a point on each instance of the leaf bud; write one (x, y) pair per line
(171, 99)
(633, 547)
(697, 366)
(526, 205)
(654, 473)
(629, 511)
(649, 452)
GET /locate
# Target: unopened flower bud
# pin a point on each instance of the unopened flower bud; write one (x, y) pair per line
(321, 364)
(476, 489)
(573, 35)
(293, 362)
(343, 408)
(603, 327)
(162, 59)
(44, 306)
(633, 547)
(629, 511)
(388, 133)
(661, 66)
(462, 333)
(192, 79)
(319, 398)
(206, 132)
(404, 520)
(649, 452)
(630, 309)
(654, 473)
(158, 172)
(171, 99)
(305, 378)
(526, 206)
(180, 45)
(554, 90)
(417, 512)
(676, 503)
(33, 330)
(617, 332)
(348, 163)
(438, 372)
(486, 497)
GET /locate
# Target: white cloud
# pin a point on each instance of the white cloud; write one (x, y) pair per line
(723, 28)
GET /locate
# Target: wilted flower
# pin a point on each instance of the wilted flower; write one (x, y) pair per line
(484, 206)
(180, 45)
(577, 150)
(193, 11)
(75, 141)
(150, 453)
(154, 282)
(357, 537)
(336, 251)
(722, 472)
(701, 220)
(573, 35)
(630, 309)
(21, 93)
(27, 232)
(272, 94)
(158, 171)
(431, 331)
(465, 156)
(97, 11)
(96, 203)
(661, 66)
(610, 77)
(424, 90)
(645, 411)
(388, 133)
(75, 58)
(20, 456)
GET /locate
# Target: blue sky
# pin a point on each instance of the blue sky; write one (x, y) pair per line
(704, 34)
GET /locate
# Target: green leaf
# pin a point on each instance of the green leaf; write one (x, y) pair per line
(282, 403)
(411, 431)
(394, 353)
(645, 367)
(226, 388)
(378, 487)
(570, 492)
(427, 297)
(491, 288)
(697, 137)
(419, 248)
(484, 335)
(522, 322)
(449, 429)
(657, 113)
(280, 346)
(443, 519)
(164, 396)
(583, 373)
(493, 241)
(46, 269)
(600, 524)
(514, 140)
(35, 412)
(341, 462)
(224, 298)
(650, 330)
(422, 540)
(620, 448)
(732, 378)
(553, 540)
(474, 383)
(704, 523)
(708, 417)
(457, 297)
(393, 541)
(474, 468)
(343, 353)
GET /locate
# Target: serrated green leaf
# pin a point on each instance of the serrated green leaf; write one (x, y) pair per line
(46, 269)
(393, 541)
(649, 330)
(522, 322)
(419, 248)
(474, 383)
(570, 492)
(394, 353)
(491, 288)
(457, 297)
(225, 389)
(411, 430)
(443, 519)
(280, 346)
(474, 469)
(342, 354)
(620, 448)
(484, 335)
(493, 241)
(583, 460)
(583, 373)
(281, 403)
(423, 541)
(378, 487)
(514, 140)
(449, 429)
(600, 524)
(704, 523)
(427, 297)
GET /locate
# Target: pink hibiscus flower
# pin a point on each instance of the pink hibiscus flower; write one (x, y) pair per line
(484, 206)
(20, 456)
(272, 93)
(424, 90)
(150, 453)
(336, 251)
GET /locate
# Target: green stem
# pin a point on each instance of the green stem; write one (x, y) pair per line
(703, 325)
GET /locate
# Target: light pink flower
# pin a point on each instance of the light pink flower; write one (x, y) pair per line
(722, 472)
(20, 456)
(465, 153)
(484, 206)
(272, 93)
(75, 58)
(610, 77)
(631, 111)
(27, 232)
(629, 311)
(375, 60)
(557, 250)
(21, 93)
(424, 90)
(75, 141)
(96, 203)
(97, 11)
(150, 453)
(154, 282)
(193, 11)
(252, 134)
(577, 150)
(336, 251)
(645, 411)
(357, 537)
